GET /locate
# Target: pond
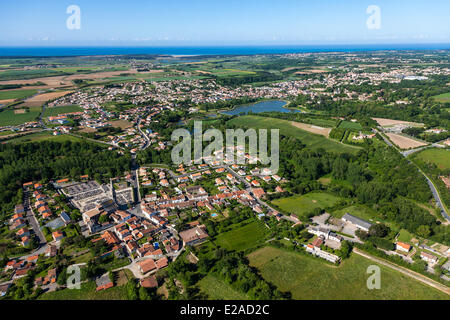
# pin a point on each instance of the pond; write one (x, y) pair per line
(263, 106)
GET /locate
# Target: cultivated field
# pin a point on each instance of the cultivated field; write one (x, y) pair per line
(122, 124)
(11, 118)
(349, 125)
(312, 128)
(307, 277)
(7, 101)
(54, 111)
(66, 80)
(16, 94)
(40, 99)
(312, 140)
(242, 238)
(390, 122)
(404, 142)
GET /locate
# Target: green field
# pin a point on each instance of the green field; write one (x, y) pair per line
(440, 157)
(313, 141)
(16, 94)
(327, 123)
(301, 204)
(87, 292)
(445, 97)
(307, 277)
(348, 125)
(216, 289)
(9, 118)
(54, 111)
(357, 210)
(44, 135)
(242, 238)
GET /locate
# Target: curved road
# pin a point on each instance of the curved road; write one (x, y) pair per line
(433, 189)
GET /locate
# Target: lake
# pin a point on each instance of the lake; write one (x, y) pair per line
(264, 106)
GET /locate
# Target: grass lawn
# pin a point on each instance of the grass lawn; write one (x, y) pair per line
(301, 204)
(445, 97)
(307, 277)
(440, 157)
(312, 140)
(357, 210)
(16, 94)
(9, 118)
(87, 292)
(242, 238)
(216, 289)
(405, 236)
(54, 111)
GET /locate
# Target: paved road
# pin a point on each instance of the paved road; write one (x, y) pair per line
(32, 219)
(146, 138)
(405, 271)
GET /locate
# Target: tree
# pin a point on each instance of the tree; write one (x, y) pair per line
(345, 250)
(103, 218)
(143, 294)
(131, 290)
(379, 230)
(423, 231)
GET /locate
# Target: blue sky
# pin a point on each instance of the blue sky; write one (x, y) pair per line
(213, 22)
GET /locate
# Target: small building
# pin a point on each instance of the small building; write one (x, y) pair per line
(401, 246)
(429, 258)
(194, 235)
(146, 266)
(358, 222)
(57, 235)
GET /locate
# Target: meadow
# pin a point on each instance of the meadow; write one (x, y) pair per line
(311, 140)
(301, 204)
(440, 157)
(216, 289)
(445, 97)
(242, 238)
(87, 292)
(42, 136)
(308, 277)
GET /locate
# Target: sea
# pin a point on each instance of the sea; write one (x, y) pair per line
(209, 50)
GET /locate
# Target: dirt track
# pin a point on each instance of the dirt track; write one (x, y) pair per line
(405, 271)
